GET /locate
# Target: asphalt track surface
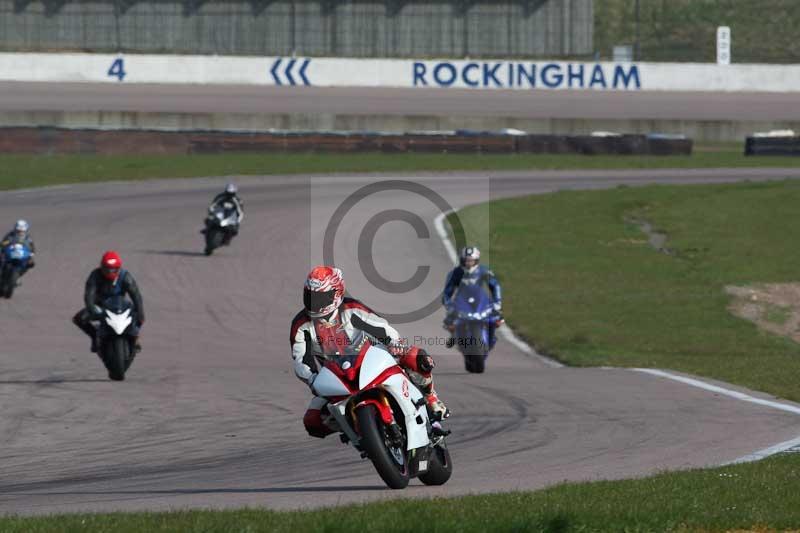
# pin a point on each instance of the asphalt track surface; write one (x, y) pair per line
(535, 104)
(210, 415)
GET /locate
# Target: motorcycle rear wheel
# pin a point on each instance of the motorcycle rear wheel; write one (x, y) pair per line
(440, 468)
(373, 441)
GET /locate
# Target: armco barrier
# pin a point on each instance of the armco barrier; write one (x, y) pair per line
(772, 146)
(67, 141)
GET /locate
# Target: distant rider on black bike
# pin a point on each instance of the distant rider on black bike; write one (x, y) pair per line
(229, 195)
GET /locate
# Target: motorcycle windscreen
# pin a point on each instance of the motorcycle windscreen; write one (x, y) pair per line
(472, 299)
(327, 384)
(117, 304)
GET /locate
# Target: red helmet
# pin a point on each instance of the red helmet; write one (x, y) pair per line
(110, 265)
(323, 292)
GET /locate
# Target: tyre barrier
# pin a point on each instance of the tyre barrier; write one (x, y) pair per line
(48, 140)
(767, 145)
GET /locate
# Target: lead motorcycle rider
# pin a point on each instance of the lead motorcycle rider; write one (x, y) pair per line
(329, 324)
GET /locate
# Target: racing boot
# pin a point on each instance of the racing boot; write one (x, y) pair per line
(329, 420)
(451, 328)
(81, 319)
(315, 425)
(451, 340)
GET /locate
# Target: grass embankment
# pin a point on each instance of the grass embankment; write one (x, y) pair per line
(20, 171)
(582, 282)
(686, 30)
(754, 495)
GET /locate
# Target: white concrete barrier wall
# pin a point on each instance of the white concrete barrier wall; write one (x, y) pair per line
(338, 72)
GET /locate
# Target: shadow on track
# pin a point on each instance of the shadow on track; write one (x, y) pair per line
(182, 253)
(180, 492)
(54, 381)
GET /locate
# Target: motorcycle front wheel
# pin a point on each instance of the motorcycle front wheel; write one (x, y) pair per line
(213, 240)
(390, 461)
(474, 349)
(11, 278)
(116, 354)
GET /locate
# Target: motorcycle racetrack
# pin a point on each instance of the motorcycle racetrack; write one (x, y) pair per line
(248, 100)
(210, 414)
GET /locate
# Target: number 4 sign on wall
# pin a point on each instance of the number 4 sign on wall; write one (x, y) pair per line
(117, 69)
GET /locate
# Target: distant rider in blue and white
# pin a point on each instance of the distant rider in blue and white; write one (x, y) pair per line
(471, 272)
(20, 235)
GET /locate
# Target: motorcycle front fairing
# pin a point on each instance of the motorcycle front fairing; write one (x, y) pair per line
(378, 361)
(118, 315)
(16, 255)
(473, 304)
(226, 215)
(376, 369)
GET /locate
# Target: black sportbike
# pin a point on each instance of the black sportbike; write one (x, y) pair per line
(222, 225)
(115, 336)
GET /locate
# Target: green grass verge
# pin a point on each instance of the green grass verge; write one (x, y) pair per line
(583, 284)
(748, 496)
(20, 171)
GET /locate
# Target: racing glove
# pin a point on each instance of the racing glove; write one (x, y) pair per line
(418, 360)
(425, 362)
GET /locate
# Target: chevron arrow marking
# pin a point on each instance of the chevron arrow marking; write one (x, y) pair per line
(274, 72)
(288, 71)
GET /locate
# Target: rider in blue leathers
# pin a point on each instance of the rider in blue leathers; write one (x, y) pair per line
(470, 272)
(20, 234)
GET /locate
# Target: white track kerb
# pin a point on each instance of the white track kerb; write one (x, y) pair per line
(527, 349)
(755, 456)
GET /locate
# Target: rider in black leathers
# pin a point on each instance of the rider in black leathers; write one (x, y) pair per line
(108, 280)
(229, 195)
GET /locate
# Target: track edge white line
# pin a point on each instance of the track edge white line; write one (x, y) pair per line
(757, 455)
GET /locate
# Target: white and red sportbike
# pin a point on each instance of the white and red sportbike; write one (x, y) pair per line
(384, 415)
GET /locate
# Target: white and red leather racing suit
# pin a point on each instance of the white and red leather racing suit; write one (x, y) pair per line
(353, 323)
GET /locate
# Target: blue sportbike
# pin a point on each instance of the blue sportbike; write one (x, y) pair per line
(473, 325)
(15, 259)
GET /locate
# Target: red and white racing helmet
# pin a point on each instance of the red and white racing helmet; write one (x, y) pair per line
(323, 292)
